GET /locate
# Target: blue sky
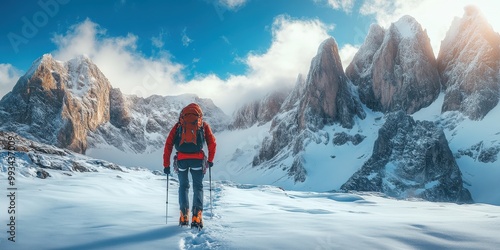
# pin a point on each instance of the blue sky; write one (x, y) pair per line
(206, 36)
(220, 49)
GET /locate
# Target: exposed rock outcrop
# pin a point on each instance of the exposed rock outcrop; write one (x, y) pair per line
(411, 159)
(480, 152)
(328, 95)
(395, 69)
(469, 64)
(325, 98)
(58, 102)
(118, 109)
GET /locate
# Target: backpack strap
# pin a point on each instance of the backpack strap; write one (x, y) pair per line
(178, 133)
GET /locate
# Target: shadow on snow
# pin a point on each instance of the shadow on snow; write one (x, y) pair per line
(127, 240)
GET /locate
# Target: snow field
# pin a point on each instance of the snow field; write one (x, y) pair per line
(117, 210)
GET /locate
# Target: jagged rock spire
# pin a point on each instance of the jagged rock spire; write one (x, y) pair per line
(469, 64)
(395, 69)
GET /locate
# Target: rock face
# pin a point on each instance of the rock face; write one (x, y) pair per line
(119, 112)
(328, 95)
(72, 105)
(284, 132)
(292, 100)
(480, 152)
(325, 98)
(411, 159)
(260, 111)
(395, 69)
(469, 64)
(58, 102)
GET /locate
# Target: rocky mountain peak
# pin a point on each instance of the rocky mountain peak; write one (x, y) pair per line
(45, 59)
(408, 27)
(469, 65)
(395, 69)
(58, 101)
(324, 98)
(328, 94)
(43, 66)
(473, 12)
(363, 60)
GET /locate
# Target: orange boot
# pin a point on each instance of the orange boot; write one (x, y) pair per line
(197, 221)
(184, 220)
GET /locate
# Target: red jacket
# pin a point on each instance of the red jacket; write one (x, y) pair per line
(169, 145)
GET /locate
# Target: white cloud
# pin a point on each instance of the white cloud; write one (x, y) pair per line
(233, 4)
(157, 41)
(434, 16)
(288, 55)
(128, 69)
(344, 5)
(347, 53)
(185, 39)
(290, 52)
(221, 6)
(226, 40)
(8, 78)
(119, 60)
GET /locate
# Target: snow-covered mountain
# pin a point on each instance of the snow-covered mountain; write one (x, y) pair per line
(72, 105)
(327, 97)
(408, 159)
(395, 69)
(411, 159)
(57, 102)
(314, 151)
(469, 64)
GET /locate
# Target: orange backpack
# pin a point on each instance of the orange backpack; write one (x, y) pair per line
(190, 135)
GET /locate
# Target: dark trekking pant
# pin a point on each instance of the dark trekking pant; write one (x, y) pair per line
(195, 167)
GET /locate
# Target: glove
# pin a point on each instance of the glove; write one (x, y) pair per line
(210, 164)
(166, 170)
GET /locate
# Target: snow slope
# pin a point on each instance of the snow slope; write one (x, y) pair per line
(463, 133)
(329, 166)
(126, 210)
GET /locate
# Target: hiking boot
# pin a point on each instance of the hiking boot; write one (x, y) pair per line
(184, 220)
(197, 221)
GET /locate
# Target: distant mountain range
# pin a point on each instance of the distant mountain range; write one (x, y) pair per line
(393, 76)
(72, 105)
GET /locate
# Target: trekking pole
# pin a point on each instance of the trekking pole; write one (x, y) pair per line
(166, 209)
(211, 201)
